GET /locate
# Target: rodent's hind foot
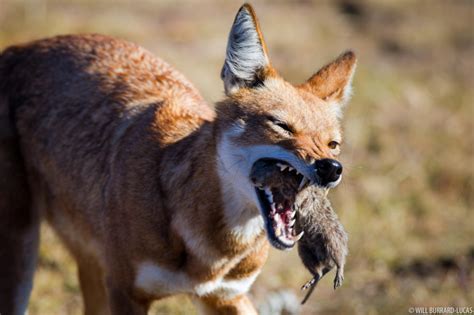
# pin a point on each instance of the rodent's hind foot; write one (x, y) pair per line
(338, 280)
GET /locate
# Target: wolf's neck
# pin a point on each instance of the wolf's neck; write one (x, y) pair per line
(241, 214)
(204, 196)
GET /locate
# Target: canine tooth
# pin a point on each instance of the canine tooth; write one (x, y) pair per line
(282, 166)
(293, 214)
(278, 232)
(278, 220)
(290, 168)
(298, 237)
(303, 182)
(292, 222)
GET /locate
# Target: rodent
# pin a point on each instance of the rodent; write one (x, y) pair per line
(325, 241)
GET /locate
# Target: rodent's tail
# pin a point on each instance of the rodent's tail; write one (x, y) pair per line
(311, 285)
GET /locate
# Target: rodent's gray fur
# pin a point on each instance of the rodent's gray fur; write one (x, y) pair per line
(324, 244)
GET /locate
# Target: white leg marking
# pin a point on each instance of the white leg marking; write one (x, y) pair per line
(154, 279)
(233, 288)
(226, 288)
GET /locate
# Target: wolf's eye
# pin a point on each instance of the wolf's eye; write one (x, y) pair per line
(333, 145)
(280, 124)
(284, 126)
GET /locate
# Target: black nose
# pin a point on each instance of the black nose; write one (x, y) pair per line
(328, 170)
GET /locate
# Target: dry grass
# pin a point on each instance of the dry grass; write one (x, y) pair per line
(407, 197)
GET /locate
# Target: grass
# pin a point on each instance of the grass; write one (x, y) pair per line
(407, 196)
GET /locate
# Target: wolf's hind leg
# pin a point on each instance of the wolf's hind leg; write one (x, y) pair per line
(93, 288)
(19, 228)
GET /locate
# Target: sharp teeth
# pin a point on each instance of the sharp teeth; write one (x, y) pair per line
(298, 237)
(277, 219)
(282, 166)
(278, 232)
(292, 222)
(290, 168)
(293, 214)
(303, 182)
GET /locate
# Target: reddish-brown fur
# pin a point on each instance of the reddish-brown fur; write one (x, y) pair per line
(117, 151)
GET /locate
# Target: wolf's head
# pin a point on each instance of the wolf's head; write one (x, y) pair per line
(264, 118)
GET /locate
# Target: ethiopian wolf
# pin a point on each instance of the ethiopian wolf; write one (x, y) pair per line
(148, 186)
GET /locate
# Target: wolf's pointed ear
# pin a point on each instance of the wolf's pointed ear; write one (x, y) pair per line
(333, 82)
(246, 59)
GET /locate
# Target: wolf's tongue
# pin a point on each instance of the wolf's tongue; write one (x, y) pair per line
(285, 214)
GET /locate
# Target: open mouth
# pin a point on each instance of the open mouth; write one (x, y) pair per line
(277, 184)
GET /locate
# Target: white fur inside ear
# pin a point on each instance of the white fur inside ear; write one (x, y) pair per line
(245, 54)
(347, 91)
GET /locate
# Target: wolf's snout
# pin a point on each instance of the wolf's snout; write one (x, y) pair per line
(329, 171)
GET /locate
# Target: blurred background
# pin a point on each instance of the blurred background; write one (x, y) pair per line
(407, 196)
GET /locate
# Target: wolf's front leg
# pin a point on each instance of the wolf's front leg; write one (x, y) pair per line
(213, 305)
(122, 301)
